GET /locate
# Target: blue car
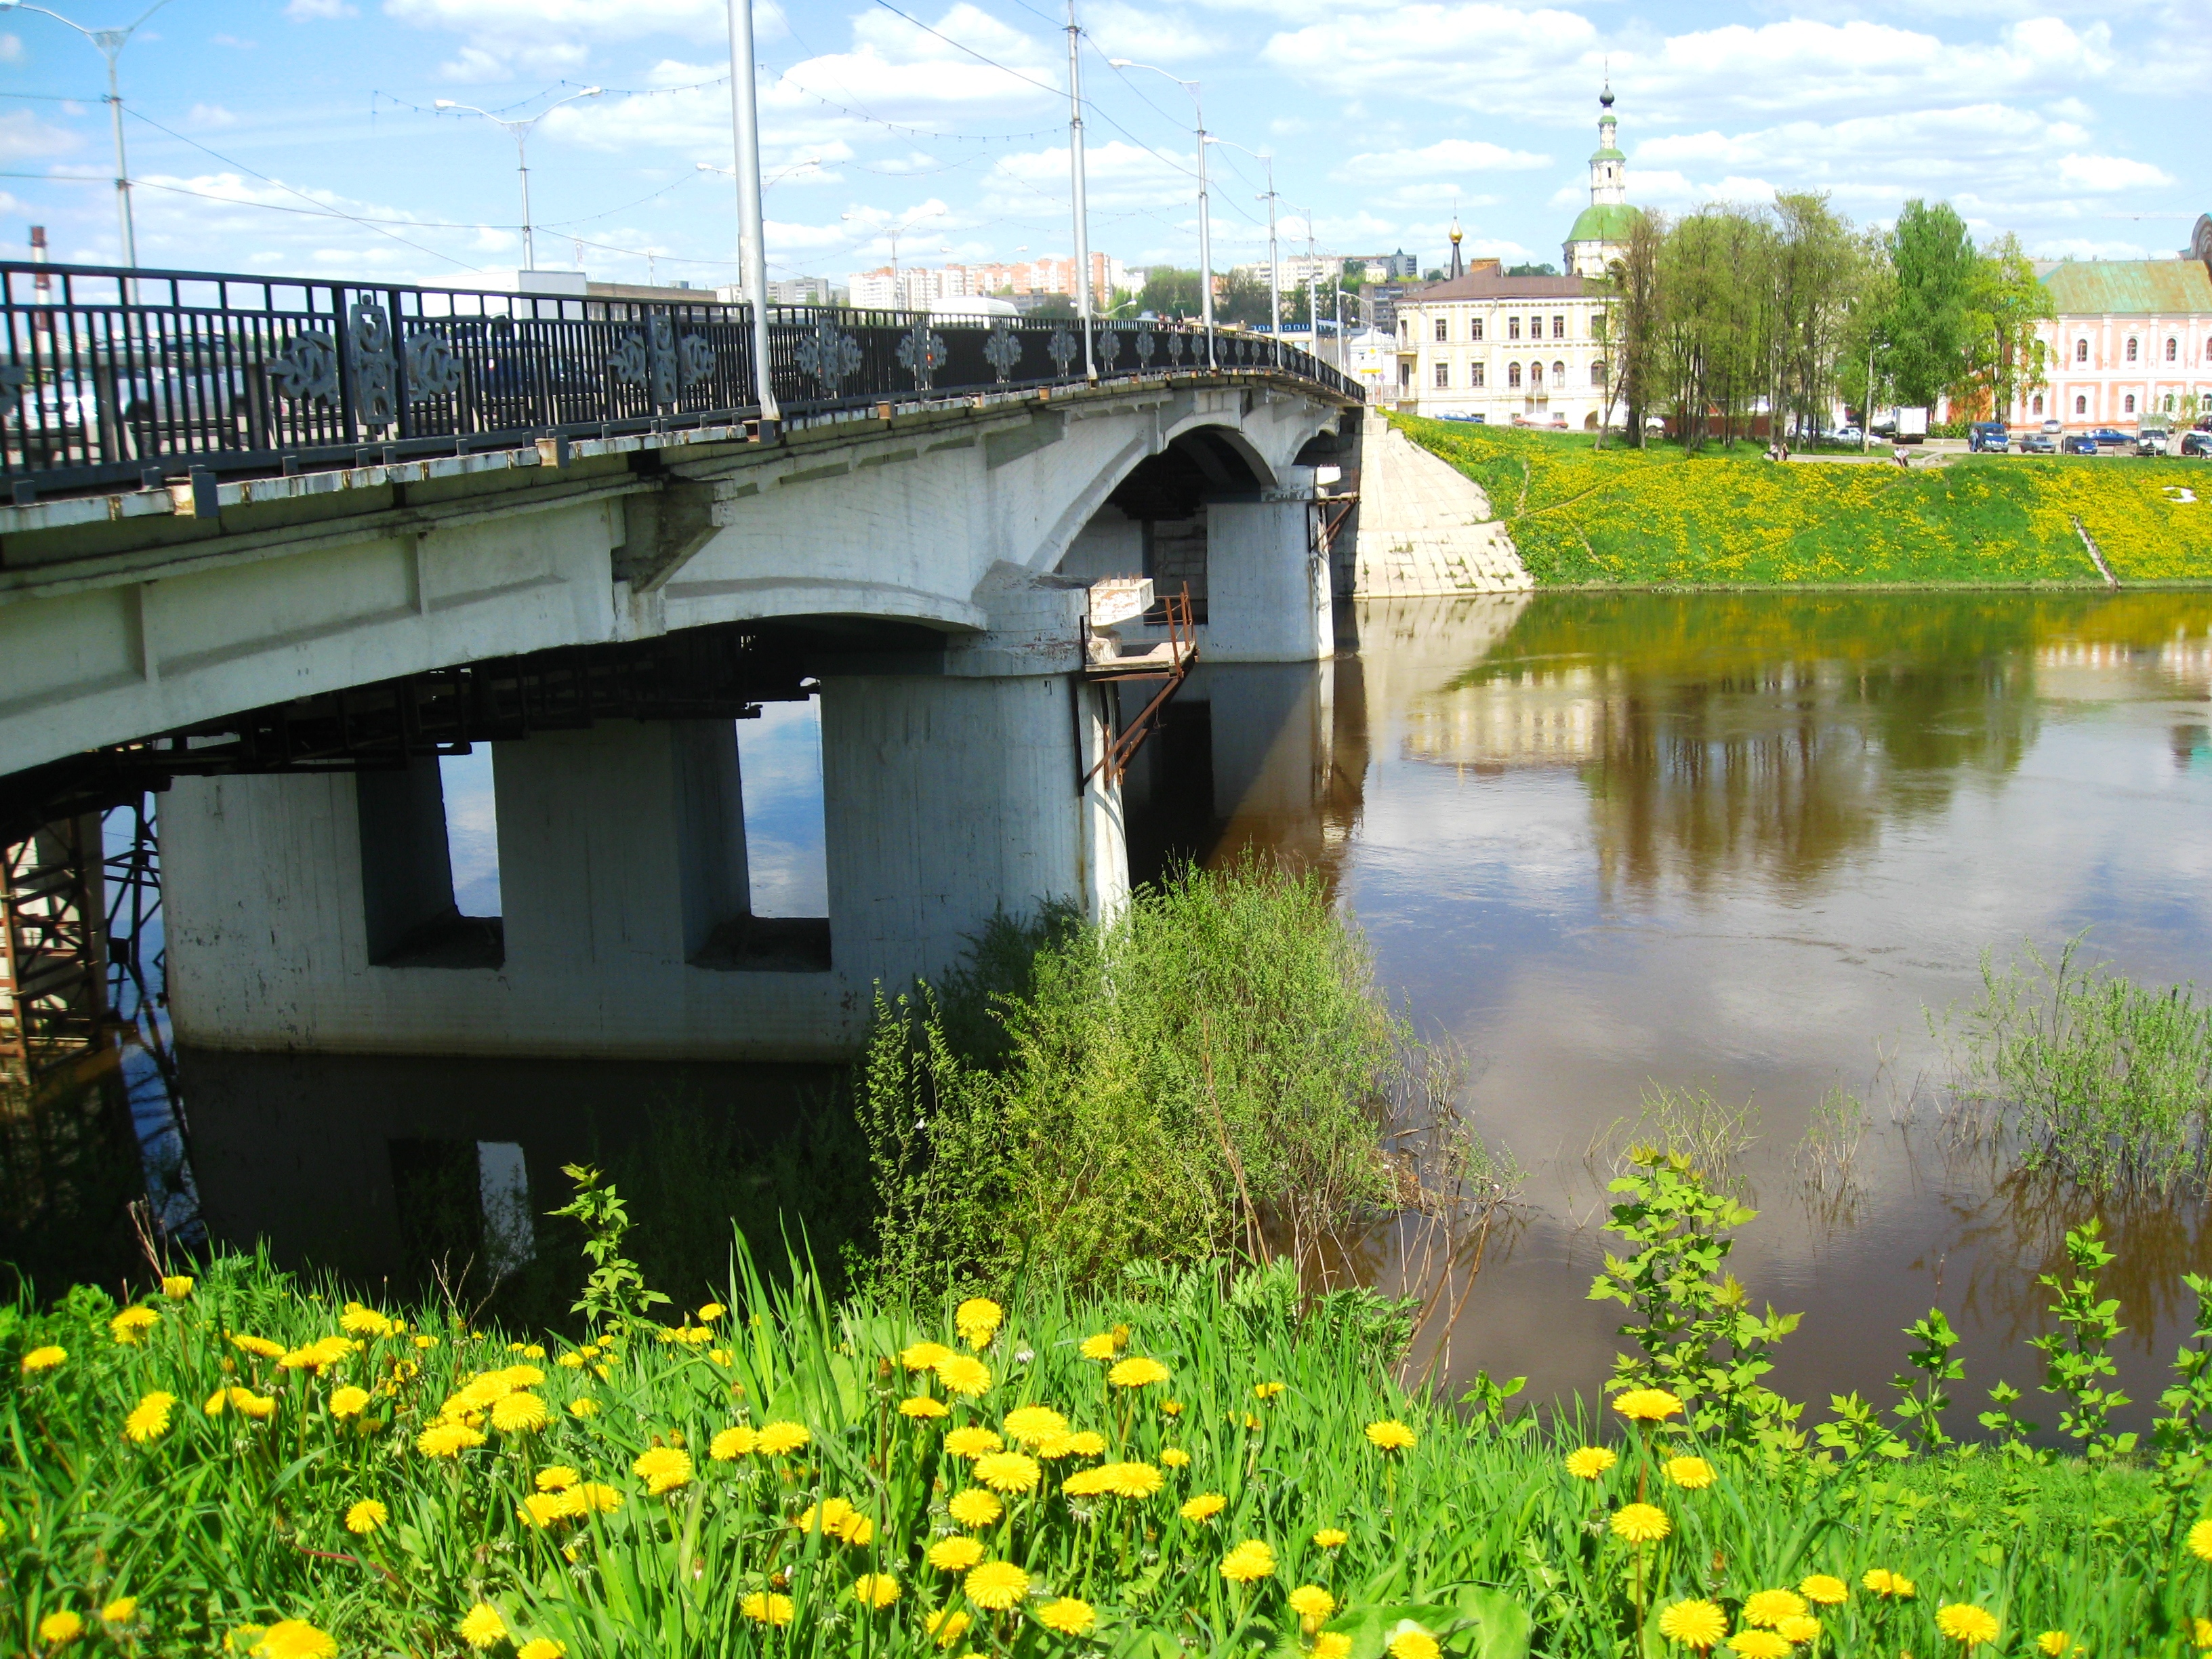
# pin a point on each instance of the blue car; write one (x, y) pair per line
(2077, 443)
(1988, 437)
(2105, 434)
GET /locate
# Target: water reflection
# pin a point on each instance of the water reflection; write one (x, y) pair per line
(1745, 843)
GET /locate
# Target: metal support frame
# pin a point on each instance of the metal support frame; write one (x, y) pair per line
(53, 944)
(1170, 663)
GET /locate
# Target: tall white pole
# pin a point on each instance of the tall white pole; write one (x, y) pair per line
(522, 167)
(122, 166)
(1275, 264)
(1083, 302)
(1204, 233)
(752, 250)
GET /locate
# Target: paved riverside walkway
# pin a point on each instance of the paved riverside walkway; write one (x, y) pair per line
(1424, 526)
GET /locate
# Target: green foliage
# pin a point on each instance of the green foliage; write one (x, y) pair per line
(1933, 254)
(2077, 1357)
(2183, 1430)
(2001, 1420)
(1856, 1430)
(2102, 1080)
(1924, 1396)
(615, 1295)
(1206, 1073)
(1691, 1324)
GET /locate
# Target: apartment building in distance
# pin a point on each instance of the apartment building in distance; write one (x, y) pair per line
(2132, 339)
(915, 287)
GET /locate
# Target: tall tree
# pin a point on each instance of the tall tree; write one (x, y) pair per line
(1938, 268)
(2005, 355)
(1170, 292)
(1634, 321)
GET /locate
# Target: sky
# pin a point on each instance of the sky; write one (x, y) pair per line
(301, 137)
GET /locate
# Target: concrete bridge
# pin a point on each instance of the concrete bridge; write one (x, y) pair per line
(276, 547)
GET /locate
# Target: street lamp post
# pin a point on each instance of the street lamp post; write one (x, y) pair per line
(1274, 260)
(1205, 223)
(520, 131)
(1084, 302)
(752, 228)
(109, 43)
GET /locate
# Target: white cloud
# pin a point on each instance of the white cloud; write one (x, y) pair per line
(210, 117)
(1447, 155)
(2109, 173)
(1480, 55)
(11, 48)
(317, 11)
(1121, 30)
(503, 38)
(25, 137)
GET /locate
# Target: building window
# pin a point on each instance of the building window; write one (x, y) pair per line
(2080, 351)
(2129, 406)
(1560, 375)
(1441, 334)
(1474, 374)
(2173, 350)
(2169, 403)
(1443, 376)
(1535, 377)
(1513, 374)
(2081, 406)
(1512, 328)
(1558, 328)
(1475, 328)
(2038, 403)
(1405, 376)
(1597, 373)
(2133, 347)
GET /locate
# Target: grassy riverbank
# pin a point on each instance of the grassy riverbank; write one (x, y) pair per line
(1621, 517)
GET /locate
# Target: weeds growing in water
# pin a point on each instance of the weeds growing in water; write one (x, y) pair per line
(1827, 1159)
(1712, 1136)
(2107, 1082)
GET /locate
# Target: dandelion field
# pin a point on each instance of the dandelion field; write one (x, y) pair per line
(242, 1462)
(1619, 516)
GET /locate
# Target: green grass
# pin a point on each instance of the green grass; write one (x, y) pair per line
(1622, 517)
(1476, 1532)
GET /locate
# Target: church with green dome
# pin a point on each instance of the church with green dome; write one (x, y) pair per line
(1600, 235)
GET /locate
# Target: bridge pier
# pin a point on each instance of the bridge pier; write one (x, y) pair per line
(1268, 584)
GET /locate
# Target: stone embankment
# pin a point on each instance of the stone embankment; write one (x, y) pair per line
(1424, 527)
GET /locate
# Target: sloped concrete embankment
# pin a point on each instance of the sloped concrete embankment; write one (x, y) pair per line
(1423, 528)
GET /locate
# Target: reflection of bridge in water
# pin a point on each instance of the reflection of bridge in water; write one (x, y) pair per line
(277, 550)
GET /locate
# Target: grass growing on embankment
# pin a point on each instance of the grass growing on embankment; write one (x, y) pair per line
(244, 1463)
(1619, 516)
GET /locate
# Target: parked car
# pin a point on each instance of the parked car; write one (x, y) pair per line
(2197, 443)
(2039, 443)
(2078, 443)
(1847, 435)
(1988, 437)
(2152, 441)
(2106, 436)
(2053, 428)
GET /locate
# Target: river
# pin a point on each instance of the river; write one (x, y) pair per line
(1747, 844)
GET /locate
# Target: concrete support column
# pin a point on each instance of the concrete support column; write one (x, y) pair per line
(949, 798)
(1267, 588)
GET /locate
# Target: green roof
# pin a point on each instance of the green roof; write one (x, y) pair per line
(1604, 221)
(2094, 288)
(1608, 153)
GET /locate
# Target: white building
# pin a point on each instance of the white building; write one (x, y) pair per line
(2133, 337)
(1509, 351)
(915, 287)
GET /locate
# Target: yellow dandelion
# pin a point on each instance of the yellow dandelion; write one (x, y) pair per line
(1138, 1371)
(259, 1406)
(259, 1346)
(662, 1469)
(44, 1360)
(1697, 1624)
(570, 1362)
(954, 1554)
(1646, 1405)
(730, 1445)
(176, 1286)
(1068, 1616)
(1690, 1473)
(1590, 1461)
(1825, 1589)
(447, 1440)
(1411, 1642)
(964, 1374)
(595, 1495)
(948, 1627)
(149, 1418)
(1313, 1606)
(542, 1509)
(1640, 1523)
(290, 1638)
(1389, 1435)
(1758, 1644)
(1248, 1563)
(1174, 1457)
(1331, 1644)
(924, 1356)
(1204, 1507)
(519, 1414)
(924, 1406)
(1331, 1538)
(1882, 1581)
(1083, 1443)
(1771, 1607)
(365, 1516)
(347, 1402)
(875, 1590)
(132, 1324)
(710, 1313)
(1008, 1471)
(481, 1626)
(975, 1508)
(583, 1408)
(2200, 1540)
(996, 1586)
(1798, 1629)
(778, 1438)
(971, 1442)
(1965, 1624)
(360, 1321)
(1085, 1483)
(541, 1647)
(1170, 1408)
(1032, 1426)
(2201, 1628)
(1104, 1346)
(977, 1320)
(766, 1608)
(124, 1608)
(1268, 1390)
(60, 1628)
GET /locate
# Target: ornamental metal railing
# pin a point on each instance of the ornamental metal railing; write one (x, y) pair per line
(111, 376)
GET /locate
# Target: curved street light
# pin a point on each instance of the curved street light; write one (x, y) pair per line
(1205, 223)
(520, 130)
(109, 43)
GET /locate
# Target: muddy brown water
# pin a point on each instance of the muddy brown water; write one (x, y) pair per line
(1746, 844)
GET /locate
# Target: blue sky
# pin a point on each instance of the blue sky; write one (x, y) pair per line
(267, 131)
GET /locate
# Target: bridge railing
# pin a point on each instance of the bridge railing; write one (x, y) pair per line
(111, 376)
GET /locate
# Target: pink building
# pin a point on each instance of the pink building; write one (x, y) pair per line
(2132, 338)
